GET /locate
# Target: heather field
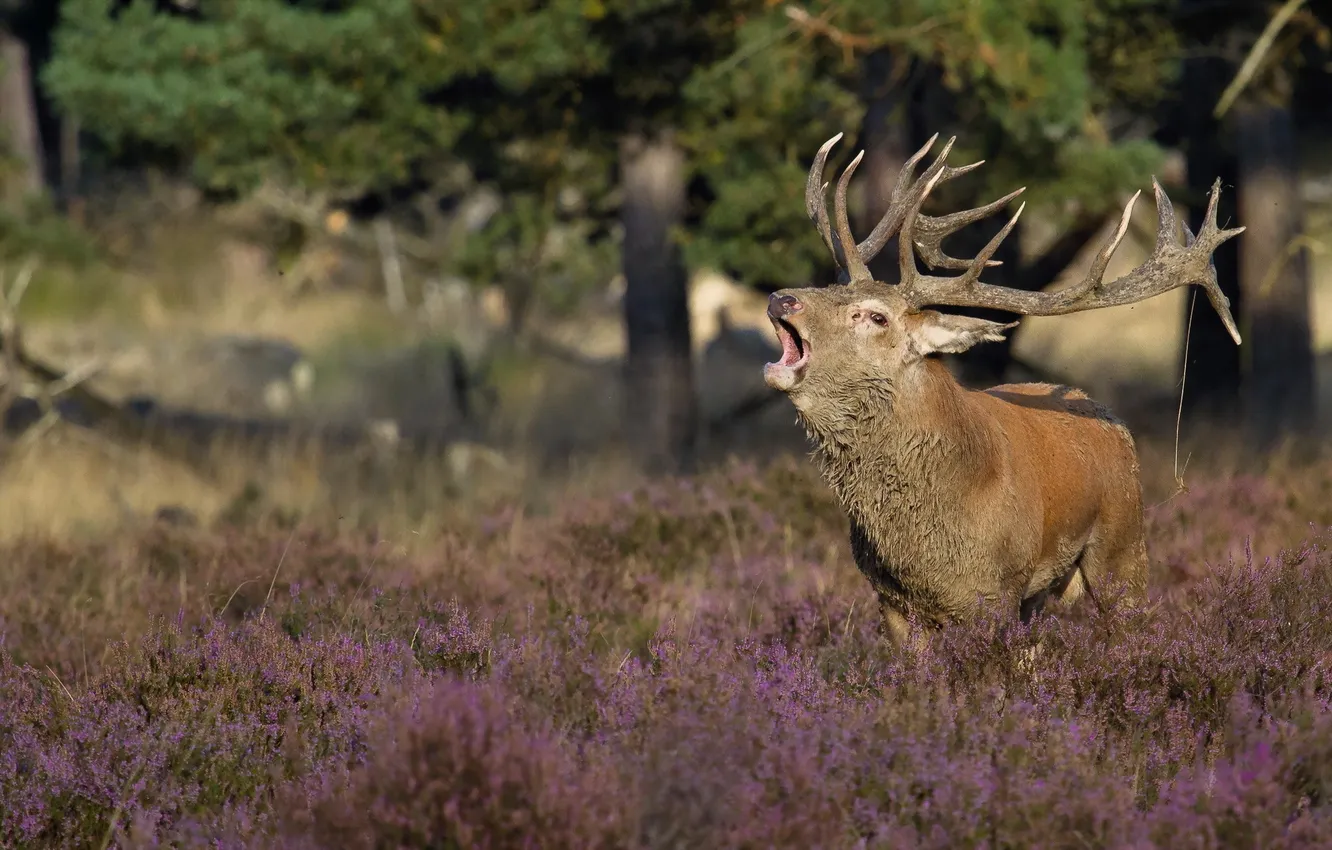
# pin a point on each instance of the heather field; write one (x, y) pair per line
(686, 664)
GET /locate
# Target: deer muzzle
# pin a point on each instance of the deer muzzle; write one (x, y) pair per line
(780, 306)
(787, 373)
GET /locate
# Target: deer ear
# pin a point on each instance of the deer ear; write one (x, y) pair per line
(933, 332)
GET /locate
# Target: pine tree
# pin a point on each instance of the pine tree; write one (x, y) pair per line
(247, 90)
(555, 104)
(21, 161)
(1049, 93)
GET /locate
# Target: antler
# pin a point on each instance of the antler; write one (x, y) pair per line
(908, 194)
(1170, 266)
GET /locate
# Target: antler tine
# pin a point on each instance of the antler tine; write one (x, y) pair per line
(916, 286)
(1213, 201)
(1170, 266)
(909, 275)
(855, 263)
(1210, 233)
(982, 260)
(1101, 262)
(899, 202)
(852, 259)
(816, 195)
(1166, 226)
(937, 228)
(1206, 242)
(930, 230)
(1209, 238)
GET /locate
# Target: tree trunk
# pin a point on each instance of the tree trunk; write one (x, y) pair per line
(1213, 377)
(901, 112)
(1278, 387)
(661, 411)
(887, 136)
(935, 109)
(71, 168)
(20, 140)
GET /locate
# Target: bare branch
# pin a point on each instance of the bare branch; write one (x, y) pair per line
(1256, 53)
(9, 336)
(851, 43)
(819, 26)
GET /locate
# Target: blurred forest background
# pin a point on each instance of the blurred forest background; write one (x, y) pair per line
(466, 246)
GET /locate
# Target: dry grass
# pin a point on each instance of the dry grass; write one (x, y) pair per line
(39, 496)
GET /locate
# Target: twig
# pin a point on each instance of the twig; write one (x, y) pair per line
(846, 627)
(9, 335)
(1183, 378)
(1180, 486)
(819, 26)
(1302, 240)
(56, 676)
(227, 604)
(21, 283)
(1256, 53)
(277, 570)
(752, 599)
(47, 393)
(851, 43)
(113, 421)
(73, 378)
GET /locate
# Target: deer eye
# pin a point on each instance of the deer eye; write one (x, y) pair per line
(878, 319)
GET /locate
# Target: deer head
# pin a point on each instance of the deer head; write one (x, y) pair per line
(840, 343)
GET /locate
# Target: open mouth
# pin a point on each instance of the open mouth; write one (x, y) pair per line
(794, 351)
(786, 372)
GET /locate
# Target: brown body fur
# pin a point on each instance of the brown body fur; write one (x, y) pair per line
(959, 498)
(962, 499)
(1009, 491)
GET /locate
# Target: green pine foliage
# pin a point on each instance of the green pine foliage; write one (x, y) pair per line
(379, 97)
(756, 117)
(247, 89)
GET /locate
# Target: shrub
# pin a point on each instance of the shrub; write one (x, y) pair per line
(599, 681)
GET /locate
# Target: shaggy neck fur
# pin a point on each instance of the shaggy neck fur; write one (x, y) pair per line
(903, 460)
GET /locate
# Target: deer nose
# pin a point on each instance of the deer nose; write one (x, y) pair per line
(780, 305)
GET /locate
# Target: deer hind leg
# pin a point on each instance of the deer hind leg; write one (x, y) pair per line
(1065, 590)
(1101, 567)
(1111, 571)
(1072, 585)
(1033, 605)
(1030, 607)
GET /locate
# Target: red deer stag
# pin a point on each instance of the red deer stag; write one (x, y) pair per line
(959, 498)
